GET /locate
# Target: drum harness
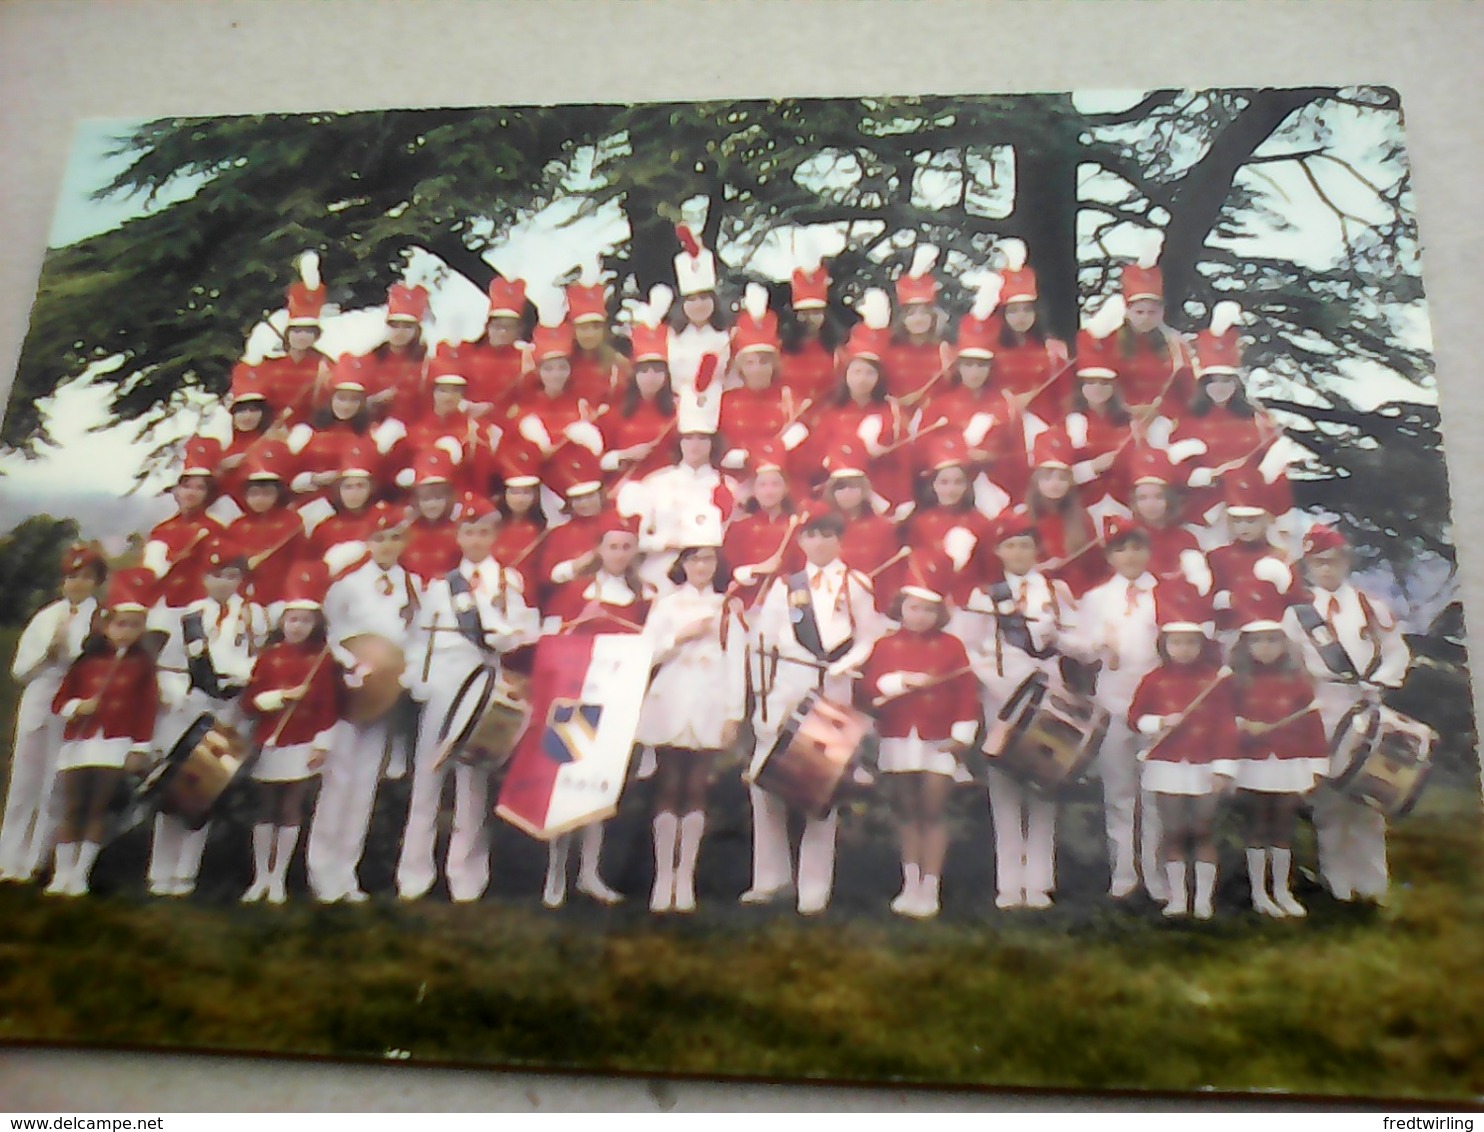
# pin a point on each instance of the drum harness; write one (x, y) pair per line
(471, 627)
(1328, 645)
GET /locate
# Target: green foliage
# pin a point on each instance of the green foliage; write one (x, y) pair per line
(30, 566)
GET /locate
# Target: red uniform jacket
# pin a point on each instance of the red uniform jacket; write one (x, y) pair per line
(868, 542)
(324, 451)
(184, 537)
(1145, 365)
(518, 546)
(933, 711)
(493, 374)
(127, 691)
(911, 365)
(926, 529)
(283, 666)
(1088, 569)
(1269, 695)
(749, 417)
(890, 475)
(231, 482)
(277, 527)
(754, 538)
(1206, 735)
(290, 384)
(1166, 544)
(569, 602)
(432, 549)
(1094, 435)
(1231, 564)
(647, 424)
(1003, 442)
(1027, 366)
(595, 382)
(1227, 437)
(343, 526)
(809, 372)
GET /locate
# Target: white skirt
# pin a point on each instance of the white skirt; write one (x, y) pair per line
(917, 755)
(1164, 777)
(284, 764)
(1273, 775)
(77, 753)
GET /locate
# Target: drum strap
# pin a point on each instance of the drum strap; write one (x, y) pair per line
(466, 611)
(805, 625)
(485, 692)
(410, 610)
(1012, 627)
(1335, 658)
(202, 672)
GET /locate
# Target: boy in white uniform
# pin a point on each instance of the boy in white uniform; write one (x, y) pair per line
(49, 644)
(377, 597)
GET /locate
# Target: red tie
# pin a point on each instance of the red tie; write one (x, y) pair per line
(818, 581)
(221, 615)
(384, 584)
(1329, 615)
(478, 578)
(1133, 600)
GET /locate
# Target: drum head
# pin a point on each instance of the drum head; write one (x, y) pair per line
(1355, 734)
(159, 777)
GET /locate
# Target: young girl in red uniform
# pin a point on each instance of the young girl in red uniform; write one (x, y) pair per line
(1156, 509)
(1154, 364)
(643, 418)
(108, 700)
(1184, 708)
(340, 540)
(919, 682)
(1282, 746)
(432, 536)
(1066, 532)
(522, 528)
(810, 338)
(293, 377)
(270, 535)
(293, 692)
(599, 370)
(252, 416)
(553, 418)
(395, 372)
(918, 354)
(946, 529)
(1029, 365)
(494, 364)
(319, 445)
(762, 543)
(871, 543)
(759, 409)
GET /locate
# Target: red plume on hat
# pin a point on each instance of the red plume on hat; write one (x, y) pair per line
(131, 590)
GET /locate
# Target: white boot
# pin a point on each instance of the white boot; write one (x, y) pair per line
(665, 829)
(188, 864)
(907, 898)
(692, 826)
(589, 881)
(925, 907)
(1282, 865)
(1257, 877)
(64, 861)
(554, 894)
(262, 850)
(1175, 878)
(87, 853)
(1205, 890)
(288, 837)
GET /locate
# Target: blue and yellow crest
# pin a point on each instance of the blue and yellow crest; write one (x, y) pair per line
(571, 730)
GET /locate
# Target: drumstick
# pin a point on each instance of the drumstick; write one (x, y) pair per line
(1185, 714)
(258, 559)
(892, 561)
(911, 399)
(634, 467)
(113, 667)
(428, 652)
(793, 525)
(190, 546)
(585, 616)
(286, 716)
(911, 439)
(1047, 384)
(1312, 705)
(880, 701)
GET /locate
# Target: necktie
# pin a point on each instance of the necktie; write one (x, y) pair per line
(1132, 605)
(477, 580)
(818, 582)
(384, 585)
(221, 615)
(1329, 615)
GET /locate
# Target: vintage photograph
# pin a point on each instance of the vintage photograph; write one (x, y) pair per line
(948, 590)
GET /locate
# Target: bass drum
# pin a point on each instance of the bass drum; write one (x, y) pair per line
(1051, 738)
(381, 687)
(194, 779)
(1381, 758)
(818, 756)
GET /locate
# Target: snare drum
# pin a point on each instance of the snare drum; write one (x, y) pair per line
(818, 756)
(1052, 738)
(1381, 757)
(192, 780)
(487, 719)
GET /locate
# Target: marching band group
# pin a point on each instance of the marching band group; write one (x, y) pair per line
(916, 522)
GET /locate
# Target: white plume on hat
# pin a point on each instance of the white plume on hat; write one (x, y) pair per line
(987, 297)
(1281, 454)
(309, 269)
(1194, 569)
(1274, 570)
(959, 544)
(1187, 449)
(874, 308)
(1151, 247)
(451, 446)
(755, 301)
(924, 258)
(1225, 315)
(590, 273)
(653, 312)
(550, 311)
(1109, 317)
(1014, 252)
(533, 430)
(869, 430)
(805, 249)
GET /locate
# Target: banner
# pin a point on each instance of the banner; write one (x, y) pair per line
(569, 768)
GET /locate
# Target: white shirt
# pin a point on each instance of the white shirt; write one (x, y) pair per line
(498, 594)
(371, 600)
(31, 666)
(1049, 613)
(1343, 610)
(700, 685)
(1116, 625)
(233, 640)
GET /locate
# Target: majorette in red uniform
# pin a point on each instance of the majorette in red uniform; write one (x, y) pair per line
(1028, 364)
(1184, 710)
(1251, 524)
(553, 418)
(523, 529)
(809, 361)
(871, 542)
(494, 364)
(919, 684)
(270, 534)
(395, 372)
(1154, 363)
(174, 552)
(599, 371)
(319, 444)
(952, 540)
(252, 417)
(108, 700)
(1282, 747)
(432, 538)
(1156, 512)
(760, 409)
(293, 377)
(568, 549)
(917, 355)
(1068, 535)
(339, 541)
(609, 599)
(761, 542)
(640, 423)
(1221, 430)
(444, 424)
(294, 694)
(861, 419)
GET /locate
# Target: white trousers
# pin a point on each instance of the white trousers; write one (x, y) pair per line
(1024, 837)
(468, 863)
(1118, 768)
(342, 814)
(176, 849)
(33, 807)
(1352, 844)
(772, 861)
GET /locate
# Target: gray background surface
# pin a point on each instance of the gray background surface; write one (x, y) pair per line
(60, 61)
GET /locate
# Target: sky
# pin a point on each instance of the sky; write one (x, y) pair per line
(541, 249)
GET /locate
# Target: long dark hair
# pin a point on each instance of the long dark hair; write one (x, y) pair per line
(317, 636)
(416, 349)
(841, 396)
(1075, 521)
(535, 516)
(1117, 411)
(1210, 656)
(1245, 667)
(265, 416)
(664, 400)
(1237, 406)
(325, 418)
(97, 644)
(678, 322)
(1010, 339)
(1155, 340)
(676, 573)
(832, 335)
(927, 498)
